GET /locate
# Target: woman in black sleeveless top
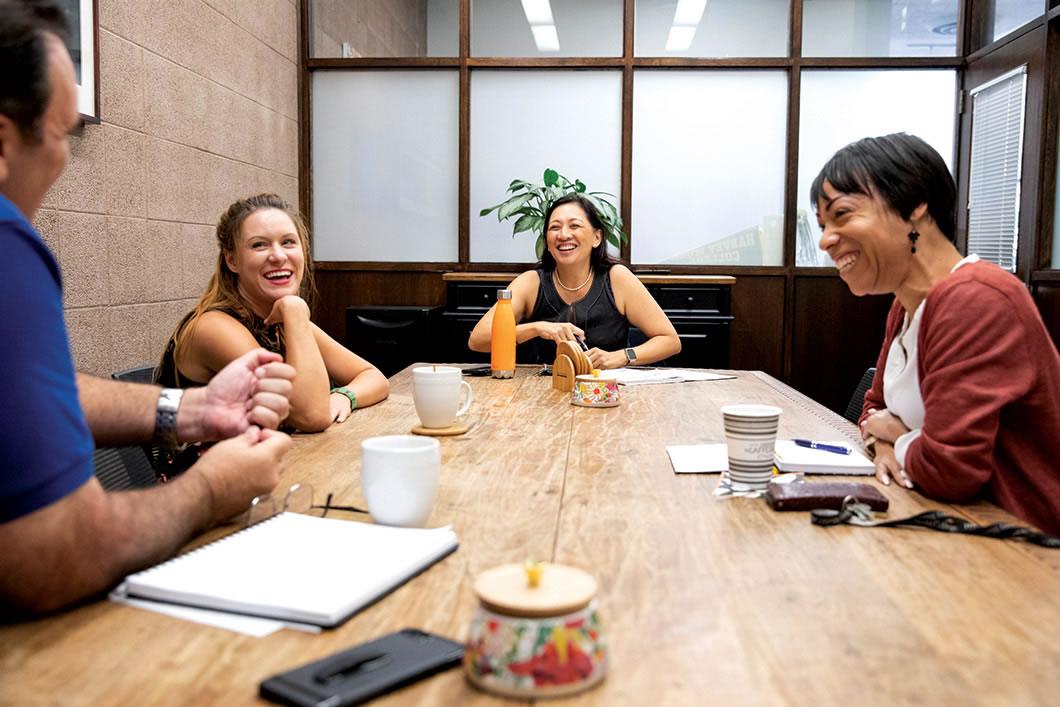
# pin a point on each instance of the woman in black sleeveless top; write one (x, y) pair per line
(258, 296)
(579, 292)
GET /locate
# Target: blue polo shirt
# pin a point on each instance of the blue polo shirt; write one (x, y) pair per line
(45, 444)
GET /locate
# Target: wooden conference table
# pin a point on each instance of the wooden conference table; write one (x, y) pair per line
(705, 600)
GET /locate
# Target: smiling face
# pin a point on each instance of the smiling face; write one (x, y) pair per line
(570, 236)
(867, 240)
(268, 259)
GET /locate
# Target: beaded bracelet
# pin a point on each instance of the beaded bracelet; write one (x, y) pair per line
(343, 390)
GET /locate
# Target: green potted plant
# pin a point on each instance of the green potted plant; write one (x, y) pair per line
(530, 201)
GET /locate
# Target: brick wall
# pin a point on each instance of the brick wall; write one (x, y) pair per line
(198, 100)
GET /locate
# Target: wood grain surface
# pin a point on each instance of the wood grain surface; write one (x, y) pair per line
(705, 600)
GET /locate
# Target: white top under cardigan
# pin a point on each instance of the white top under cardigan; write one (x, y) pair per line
(901, 384)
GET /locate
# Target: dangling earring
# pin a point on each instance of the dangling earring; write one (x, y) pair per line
(913, 235)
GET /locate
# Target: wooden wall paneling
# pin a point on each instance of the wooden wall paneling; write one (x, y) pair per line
(1047, 297)
(756, 335)
(1050, 149)
(339, 289)
(835, 337)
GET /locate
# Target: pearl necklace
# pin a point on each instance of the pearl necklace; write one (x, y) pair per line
(555, 276)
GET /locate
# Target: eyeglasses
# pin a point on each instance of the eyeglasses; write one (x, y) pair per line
(299, 499)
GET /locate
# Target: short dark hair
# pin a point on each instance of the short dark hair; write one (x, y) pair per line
(600, 259)
(25, 89)
(903, 169)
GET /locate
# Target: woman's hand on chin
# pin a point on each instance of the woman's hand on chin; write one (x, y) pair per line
(606, 359)
(559, 331)
(286, 307)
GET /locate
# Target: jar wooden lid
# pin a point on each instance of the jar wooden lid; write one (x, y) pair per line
(561, 590)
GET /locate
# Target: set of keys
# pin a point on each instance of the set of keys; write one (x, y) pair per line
(851, 512)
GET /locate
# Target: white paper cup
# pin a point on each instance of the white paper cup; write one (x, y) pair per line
(399, 478)
(751, 434)
(436, 392)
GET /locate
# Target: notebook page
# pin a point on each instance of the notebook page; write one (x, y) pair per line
(296, 567)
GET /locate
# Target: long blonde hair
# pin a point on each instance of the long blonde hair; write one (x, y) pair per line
(222, 292)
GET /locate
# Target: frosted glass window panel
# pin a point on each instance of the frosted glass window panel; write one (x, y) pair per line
(1010, 15)
(523, 122)
(841, 107)
(546, 28)
(719, 28)
(708, 167)
(385, 28)
(878, 28)
(385, 166)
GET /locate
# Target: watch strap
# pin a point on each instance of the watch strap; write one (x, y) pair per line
(343, 390)
(166, 416)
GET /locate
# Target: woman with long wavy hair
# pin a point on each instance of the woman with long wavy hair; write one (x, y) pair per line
(259, 295)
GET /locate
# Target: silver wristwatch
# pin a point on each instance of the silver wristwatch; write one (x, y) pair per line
(166, 416)
(631, 356)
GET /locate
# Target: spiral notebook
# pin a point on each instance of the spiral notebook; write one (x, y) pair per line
(295, 567)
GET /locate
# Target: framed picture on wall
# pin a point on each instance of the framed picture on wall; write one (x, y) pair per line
(83, 45)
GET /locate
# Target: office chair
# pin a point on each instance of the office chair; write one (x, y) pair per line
(149, 453)
(857, 401)
(140, 374)
(123, 468)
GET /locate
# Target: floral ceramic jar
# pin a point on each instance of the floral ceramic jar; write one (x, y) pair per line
(595, 391)
(535, 640)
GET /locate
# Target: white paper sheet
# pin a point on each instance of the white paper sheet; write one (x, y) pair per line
(248, 625)
(699, 458)
(647, 376)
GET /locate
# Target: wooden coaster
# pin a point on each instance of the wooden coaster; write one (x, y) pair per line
(439, 431)
(563, 374)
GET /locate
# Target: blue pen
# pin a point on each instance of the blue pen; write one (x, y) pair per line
(581, 343)
(835, 449)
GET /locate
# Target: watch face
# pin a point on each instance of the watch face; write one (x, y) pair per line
(631, 355)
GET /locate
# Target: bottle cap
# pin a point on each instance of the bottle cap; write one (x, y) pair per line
(504, 294)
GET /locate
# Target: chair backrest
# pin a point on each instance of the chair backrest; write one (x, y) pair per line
(857, 401)
(123, 468)
(140, 374)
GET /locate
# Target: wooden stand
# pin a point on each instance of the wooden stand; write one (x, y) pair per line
(570, 362)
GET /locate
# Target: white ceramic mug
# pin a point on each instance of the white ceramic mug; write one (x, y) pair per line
(436, 392)
(399, 478)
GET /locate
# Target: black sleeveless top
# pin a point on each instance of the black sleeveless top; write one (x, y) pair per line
(596, 314)
(171, 462)
(268, 337)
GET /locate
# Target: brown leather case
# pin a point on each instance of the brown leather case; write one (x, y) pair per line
(810, 495)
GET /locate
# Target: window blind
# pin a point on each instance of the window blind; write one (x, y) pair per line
(996, 159)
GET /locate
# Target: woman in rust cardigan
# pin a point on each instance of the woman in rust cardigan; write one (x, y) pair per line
(966, 398)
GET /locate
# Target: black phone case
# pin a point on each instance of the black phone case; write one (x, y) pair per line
(368, 670)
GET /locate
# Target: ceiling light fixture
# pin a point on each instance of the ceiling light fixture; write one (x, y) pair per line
(546, 38)
(539, 17)
(538, 12)
(689, 12)
(687, 16)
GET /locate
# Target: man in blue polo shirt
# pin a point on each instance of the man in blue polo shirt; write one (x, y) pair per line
(63, 537)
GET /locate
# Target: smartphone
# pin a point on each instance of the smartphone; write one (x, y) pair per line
(366, 671)
(483, 370)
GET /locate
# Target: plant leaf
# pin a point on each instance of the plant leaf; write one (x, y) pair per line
(524, 223)
(539, 247)
(486, 211)
(511, 206)
(612, 240)
(551, 177)
(579, 187)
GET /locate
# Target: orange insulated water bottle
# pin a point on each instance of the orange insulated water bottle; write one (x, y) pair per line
(502, 337)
